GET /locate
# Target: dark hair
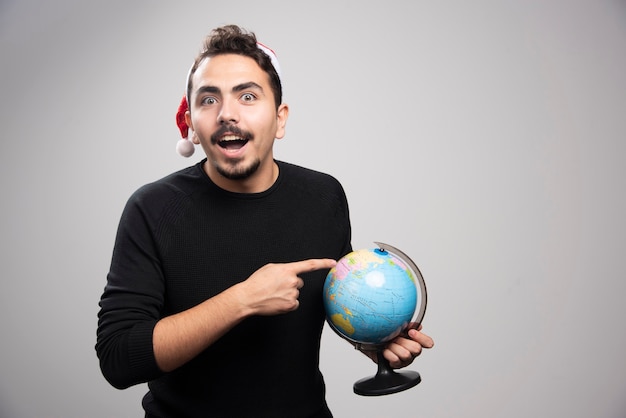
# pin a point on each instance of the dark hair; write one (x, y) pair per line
(231, 39)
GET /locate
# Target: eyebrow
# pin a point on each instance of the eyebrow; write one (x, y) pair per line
(235, 89)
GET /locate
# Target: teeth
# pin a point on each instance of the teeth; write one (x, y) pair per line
(232, 142)
(231, 138)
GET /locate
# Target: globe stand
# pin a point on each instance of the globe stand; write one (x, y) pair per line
(386, 380)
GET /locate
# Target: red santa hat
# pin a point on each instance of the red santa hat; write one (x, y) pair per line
(184, 146)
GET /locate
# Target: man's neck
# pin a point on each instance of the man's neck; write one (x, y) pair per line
(258, 182)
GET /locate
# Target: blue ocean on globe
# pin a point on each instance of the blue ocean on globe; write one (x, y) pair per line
(370, 296)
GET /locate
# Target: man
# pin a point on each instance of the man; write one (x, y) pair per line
(214, 296)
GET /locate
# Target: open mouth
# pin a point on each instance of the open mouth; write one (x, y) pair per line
(232, 143)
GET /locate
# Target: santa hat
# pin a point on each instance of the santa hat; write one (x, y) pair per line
(184, 146)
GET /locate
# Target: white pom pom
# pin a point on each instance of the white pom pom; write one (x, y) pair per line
(185, 147)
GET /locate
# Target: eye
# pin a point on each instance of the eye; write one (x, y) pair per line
(248, 97)
(208, 100)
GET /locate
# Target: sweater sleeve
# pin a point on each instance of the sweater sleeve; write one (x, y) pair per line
(132, 301)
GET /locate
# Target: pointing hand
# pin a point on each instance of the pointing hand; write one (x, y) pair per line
(274, 288)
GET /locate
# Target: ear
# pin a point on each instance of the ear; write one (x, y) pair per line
(281, 120)
(192, 134)
(188, 119)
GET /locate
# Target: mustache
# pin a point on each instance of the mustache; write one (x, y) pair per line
(230, 129)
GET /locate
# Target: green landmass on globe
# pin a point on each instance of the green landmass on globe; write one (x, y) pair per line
(370, 296)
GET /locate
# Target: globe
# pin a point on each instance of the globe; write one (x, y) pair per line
(371, 296)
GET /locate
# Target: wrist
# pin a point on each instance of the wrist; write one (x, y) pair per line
(241, 300)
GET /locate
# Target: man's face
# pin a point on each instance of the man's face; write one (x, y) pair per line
(233, 114)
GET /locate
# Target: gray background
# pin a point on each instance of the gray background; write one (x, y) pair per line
(485, 139)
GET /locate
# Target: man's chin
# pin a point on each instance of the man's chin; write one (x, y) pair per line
(237, 171)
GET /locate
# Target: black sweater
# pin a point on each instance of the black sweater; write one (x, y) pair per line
(182, 240)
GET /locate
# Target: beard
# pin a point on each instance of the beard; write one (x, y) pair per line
(237, 171)
(234, 170)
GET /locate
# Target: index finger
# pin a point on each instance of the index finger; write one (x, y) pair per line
(313, 264)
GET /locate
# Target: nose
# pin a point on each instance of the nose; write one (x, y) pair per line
(228, 112)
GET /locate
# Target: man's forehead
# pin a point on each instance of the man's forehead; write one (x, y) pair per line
(228, 73)
(224, 65)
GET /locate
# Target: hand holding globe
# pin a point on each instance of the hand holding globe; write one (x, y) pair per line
(371, 297)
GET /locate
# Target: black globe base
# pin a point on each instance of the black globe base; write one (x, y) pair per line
(386, 381)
